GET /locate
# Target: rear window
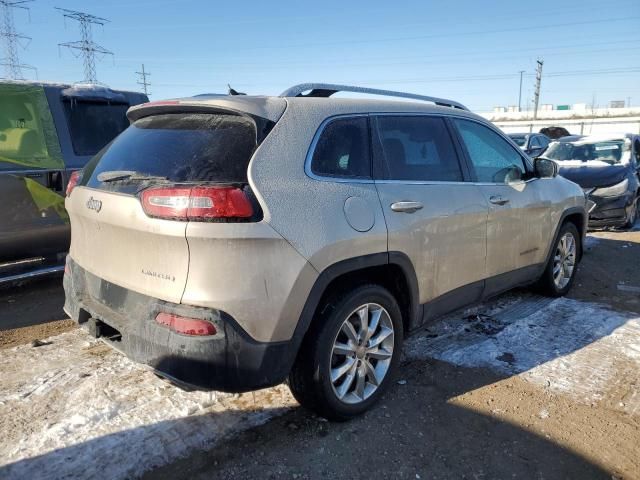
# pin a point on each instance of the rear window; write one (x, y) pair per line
(520, 140)
(180, 147)
(94, 124)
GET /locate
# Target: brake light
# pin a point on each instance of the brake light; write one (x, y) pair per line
(185, 325)
(196, 203)
(74, 178)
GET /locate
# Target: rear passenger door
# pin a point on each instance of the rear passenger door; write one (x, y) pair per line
(433, 215)
(519, 224)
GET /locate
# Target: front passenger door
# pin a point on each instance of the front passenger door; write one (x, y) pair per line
(519, 224)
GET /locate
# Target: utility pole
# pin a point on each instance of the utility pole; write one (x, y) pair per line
(143, 80)
(537, 91)
(520, 94)
(11, 39)
(85, 47)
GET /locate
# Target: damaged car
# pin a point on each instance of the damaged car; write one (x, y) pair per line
(608, 170)
(235, 242)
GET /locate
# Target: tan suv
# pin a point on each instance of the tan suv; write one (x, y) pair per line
(232, 242)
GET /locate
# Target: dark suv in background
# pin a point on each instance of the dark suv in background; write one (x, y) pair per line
(47, 131)
(608, 170)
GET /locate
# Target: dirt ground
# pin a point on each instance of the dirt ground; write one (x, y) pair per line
(449, 421)
(439, 421)
(32, 310)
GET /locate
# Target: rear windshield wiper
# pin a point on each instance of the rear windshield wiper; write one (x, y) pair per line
(126, 175)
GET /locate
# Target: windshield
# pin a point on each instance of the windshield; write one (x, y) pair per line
(610, 151)
(519, 139)
(94, 124)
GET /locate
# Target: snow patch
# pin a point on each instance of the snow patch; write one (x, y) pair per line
(577, 348)
(77, 408)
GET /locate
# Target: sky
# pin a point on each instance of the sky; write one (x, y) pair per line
(469, 51)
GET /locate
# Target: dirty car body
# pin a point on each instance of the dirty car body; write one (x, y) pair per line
(221, 262)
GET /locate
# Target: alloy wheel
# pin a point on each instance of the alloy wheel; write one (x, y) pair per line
(564, 261)
(361, 353)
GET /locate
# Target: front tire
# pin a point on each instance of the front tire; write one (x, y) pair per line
(633, 214)
(560, 272)
(350, 354)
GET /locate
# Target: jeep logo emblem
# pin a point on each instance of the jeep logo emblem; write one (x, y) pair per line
(93, 204)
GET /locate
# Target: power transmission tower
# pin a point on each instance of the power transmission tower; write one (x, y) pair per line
(143, 80)
(11, 62)
(537, 91)
(85, 47)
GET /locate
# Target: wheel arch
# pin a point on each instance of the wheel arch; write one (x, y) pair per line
(579, 218)
(392, 270)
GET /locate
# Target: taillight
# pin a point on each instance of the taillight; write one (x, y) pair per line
(196, 203)
(185, 325)
(74, 178)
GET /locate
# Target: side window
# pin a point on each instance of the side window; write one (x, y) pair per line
(28, 137)
(535, 142)
(636, 147)
(544, 141)
(494, 160)
(416, 148)
(343, 149)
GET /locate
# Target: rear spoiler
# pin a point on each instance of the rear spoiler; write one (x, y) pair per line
(266, 108)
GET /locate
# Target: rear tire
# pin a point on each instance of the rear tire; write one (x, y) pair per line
(341, 359)
(560, 272)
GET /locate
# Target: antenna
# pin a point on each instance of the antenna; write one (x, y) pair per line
(85, 47)
(11, 62)
(143, 80)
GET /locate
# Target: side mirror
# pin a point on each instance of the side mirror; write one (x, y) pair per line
(545, 168)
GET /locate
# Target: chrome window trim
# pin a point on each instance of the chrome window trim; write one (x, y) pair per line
(327, 178)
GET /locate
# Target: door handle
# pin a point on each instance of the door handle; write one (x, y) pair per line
(406, 207)
(498, 200)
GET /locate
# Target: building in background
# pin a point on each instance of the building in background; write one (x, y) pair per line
(579, 118)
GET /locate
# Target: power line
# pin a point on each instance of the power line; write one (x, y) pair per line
(143, 80)
(85, 47)
(457, 33)
(11, 38)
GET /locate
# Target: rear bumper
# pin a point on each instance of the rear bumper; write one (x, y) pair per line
(228, 361)
(610, 211)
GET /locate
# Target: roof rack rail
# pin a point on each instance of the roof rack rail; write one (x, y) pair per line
(327, 89)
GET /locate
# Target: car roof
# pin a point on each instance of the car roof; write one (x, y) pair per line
(272, 107)
(76, 87)
(319, 98)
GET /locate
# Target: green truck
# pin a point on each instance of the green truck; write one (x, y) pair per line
(47, 131)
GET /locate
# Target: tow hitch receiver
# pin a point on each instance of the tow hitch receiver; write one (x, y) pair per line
(98, 328)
